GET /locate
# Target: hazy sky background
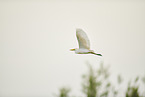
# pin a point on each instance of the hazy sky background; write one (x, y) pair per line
(35, 38)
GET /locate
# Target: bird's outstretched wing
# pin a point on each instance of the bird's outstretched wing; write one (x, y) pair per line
(82, 39)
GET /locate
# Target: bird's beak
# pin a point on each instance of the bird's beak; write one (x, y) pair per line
(72, 49)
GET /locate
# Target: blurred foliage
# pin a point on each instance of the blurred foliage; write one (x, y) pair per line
(95, 80)
(120, 79)
(132, 91)
(133, 88)
(64, 92)
(89, 85)
(96, 84)
(143, 79)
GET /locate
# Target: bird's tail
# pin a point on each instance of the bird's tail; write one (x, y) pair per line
(95, 54)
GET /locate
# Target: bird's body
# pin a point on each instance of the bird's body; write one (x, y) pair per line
(82, 51)
(84, 43)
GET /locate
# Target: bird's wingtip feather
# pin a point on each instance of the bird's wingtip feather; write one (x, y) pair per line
(78, 29)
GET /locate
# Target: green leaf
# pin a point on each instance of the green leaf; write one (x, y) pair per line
(137, 78)
(119, 79)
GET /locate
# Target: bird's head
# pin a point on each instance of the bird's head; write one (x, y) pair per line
(73, 49)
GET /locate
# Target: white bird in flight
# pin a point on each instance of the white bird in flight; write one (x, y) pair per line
(84, 43)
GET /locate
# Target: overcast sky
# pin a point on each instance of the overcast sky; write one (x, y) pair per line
(35, 38)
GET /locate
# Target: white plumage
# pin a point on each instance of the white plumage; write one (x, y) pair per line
(82, 39)
(84, 43)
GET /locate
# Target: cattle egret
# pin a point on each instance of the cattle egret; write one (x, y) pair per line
(84, 43)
